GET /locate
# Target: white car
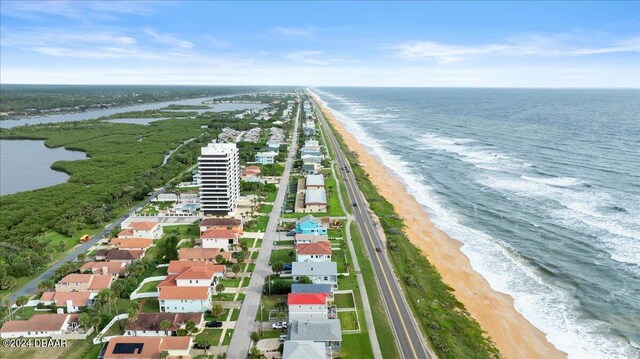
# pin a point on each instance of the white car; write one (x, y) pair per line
(279, 325)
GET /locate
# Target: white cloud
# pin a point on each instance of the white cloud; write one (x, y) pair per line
(523, 45)
(77, 10)
(311, 57)
(292, 31)
(168, 39)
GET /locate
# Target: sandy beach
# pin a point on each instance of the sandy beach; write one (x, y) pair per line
(514, 336)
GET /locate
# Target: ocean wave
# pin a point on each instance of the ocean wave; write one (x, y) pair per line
(548, 307)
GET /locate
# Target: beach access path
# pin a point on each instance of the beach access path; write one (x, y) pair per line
(241, 339)
(411, 342)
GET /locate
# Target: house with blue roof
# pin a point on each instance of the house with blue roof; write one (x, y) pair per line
(310, 225)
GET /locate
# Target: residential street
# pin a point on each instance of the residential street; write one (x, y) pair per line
(241, 341)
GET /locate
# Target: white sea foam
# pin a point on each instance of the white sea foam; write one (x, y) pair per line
(548, 307)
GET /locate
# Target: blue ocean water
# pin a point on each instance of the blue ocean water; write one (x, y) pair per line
(541, 186)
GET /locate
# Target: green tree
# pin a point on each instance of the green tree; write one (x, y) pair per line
(219, 258)
(217, 310)
(7, 282)
(190, 326)
(164, 325)
(255, 353)
(84, 320)
(22, 300)
(305, 280)
(236, 269)
(134, 311)
(277, 267)
(46, 285)
(220, 288)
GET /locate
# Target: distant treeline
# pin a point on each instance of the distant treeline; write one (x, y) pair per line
(33, 99)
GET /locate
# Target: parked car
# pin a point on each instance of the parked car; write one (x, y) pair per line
(213, 324)
(284, 337)
(291, 232)
(287, 266)
(279, 325)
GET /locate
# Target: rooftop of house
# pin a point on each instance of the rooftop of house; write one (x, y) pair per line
(314, 180)
(311, 237)
(179, 293)
(152, 321)
(321, 247)
(307, 298)
(303, 349)
(122, 347)
(317, 330)
(315, 196)
(95, 281)
(220, 221)
(125, 232)
(143, 226)
(123, 254)
(79, 299)
(310, 288)
(131, 243)
(176, 267)
(39, 323)
(309, 219)
(314, 268)
(112, 268)
(219, 233)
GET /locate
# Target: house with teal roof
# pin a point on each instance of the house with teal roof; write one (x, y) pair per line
(310, 225)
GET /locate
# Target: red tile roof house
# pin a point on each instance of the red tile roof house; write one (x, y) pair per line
(223, 239)
(131, 243)
(313, 252)
(148, 324)
(175, 267)
(202, 254)
(75, 282)
(147, 347)
(174, 299)
(127, 256)
(114, 269)
(147, 229)
(305, 306)
(250, 171)
(40, 325)
(72, 301)
(221, 223)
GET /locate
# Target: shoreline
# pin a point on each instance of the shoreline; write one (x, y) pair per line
(511, 332)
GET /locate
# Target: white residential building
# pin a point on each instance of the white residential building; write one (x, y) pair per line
(219, 167)
(266, 158)
(306, 306)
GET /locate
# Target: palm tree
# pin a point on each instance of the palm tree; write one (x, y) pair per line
(134, 311)
(95, 322)
(45, 285)
(22, 300)
(165, 325)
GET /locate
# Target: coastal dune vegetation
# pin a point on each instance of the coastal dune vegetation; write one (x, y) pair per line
(450, 329)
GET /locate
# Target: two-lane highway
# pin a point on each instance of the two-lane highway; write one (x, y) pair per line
(411, 342)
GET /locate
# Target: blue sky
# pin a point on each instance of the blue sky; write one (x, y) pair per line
(466, 44)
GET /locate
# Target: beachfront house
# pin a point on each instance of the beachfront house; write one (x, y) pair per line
(315, 200)
(145, 229)
(223, 239)
(326, 331)
(296, 349)
(221, 223)
(305, 306)
(141, 347)
(40, 325)
(75, 282)
(314, 181)
(310, 225)
(73, 302)
(313, 252)
(318, 272)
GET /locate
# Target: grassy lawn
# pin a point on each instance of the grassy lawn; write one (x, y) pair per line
(224, 297)
(358, 346)
(241, 296)
(116, 328)
(227, 337)
(150, 305)
(334, 232)
(251, 267)
(270, 334)
(348, 320)
(231, 282)
(258, 243)
(282, 255)
(343, 300)
(343, 189)
(25, 313)
(271, 196)
(245, 282)
(286, 242)
(212, 336)
(235, 314)
(150, 287)
(159, 271)
(254, 255)
(338, 257)
(257, 225)
(276, 301)
(222, 317)
(333, 200)
(265, 208)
